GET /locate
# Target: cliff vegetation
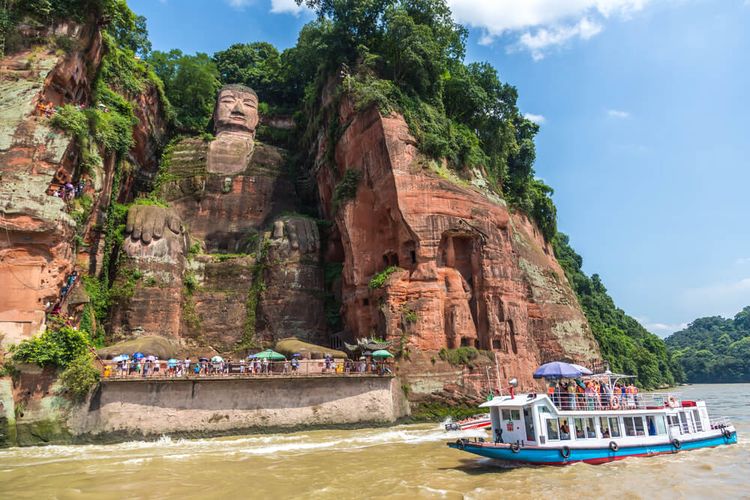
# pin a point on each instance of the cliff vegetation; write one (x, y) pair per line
(714, 349)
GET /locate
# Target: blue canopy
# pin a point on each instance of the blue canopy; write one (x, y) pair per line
(138, 355)
(557, 369)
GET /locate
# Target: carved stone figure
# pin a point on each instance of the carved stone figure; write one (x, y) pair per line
(235, 120)
(153, 232)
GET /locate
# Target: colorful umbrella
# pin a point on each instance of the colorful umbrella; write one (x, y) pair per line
(557, 369)
(217, 359)
(270, 355)
(121, 357)
(138, 355)
(382, 353)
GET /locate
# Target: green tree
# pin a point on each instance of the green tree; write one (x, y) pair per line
(191, 83)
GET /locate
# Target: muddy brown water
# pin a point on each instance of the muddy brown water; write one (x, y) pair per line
(409, 461)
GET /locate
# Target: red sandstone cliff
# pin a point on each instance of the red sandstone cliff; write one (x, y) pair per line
(39, 246)
(471, 272)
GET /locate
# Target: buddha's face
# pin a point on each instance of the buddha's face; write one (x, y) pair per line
(236, 110)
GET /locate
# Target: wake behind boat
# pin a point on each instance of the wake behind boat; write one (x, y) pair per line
(539, 429)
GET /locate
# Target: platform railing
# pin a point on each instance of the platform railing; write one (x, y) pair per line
(236, 370)
(599, 402)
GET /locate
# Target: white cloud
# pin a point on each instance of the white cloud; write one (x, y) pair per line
(742, 260)
(542, 39)
(661, 329)
(539, 25)
(287, 7)
(724, 299)
(538, 119)
(618, 113)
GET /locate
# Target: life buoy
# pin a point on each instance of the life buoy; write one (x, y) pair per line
(460, 444)
(615, 403)
(515, 447)
(676, 443)
(672, 402)
(727, 434)
(613, 446)
(565, 452)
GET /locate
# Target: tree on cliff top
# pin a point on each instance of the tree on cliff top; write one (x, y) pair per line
(407, 55)
(191, 84)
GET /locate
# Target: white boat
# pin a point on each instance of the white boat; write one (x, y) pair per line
(476, 422)
(531, 428)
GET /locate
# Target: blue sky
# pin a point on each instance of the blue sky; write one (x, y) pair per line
(644, 111)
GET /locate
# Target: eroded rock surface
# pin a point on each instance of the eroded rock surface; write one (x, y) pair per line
(470, 272)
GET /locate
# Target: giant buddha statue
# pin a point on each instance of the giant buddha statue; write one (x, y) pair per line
(235, 120)
(226, 198)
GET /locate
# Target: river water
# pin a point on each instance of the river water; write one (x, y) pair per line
(409, 461)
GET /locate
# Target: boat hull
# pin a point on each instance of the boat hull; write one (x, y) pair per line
(554, 456)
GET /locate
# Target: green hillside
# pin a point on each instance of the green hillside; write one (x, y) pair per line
(714, 349)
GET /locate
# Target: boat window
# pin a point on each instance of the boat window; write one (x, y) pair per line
(590, 427)
(629, 426)
(660, 427)
(651, 425)
(697, 420)
(515, 415)
(614, 427)
(564, 428)
(529, 424)
(553, 429)
(604, 424)
(580, 434)
(639, 430)
(506, 414)
(673, 420)
(684, 428)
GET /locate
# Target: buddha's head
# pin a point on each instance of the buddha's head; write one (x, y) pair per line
(236, 109)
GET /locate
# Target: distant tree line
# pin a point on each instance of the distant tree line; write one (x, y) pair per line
(714, 349)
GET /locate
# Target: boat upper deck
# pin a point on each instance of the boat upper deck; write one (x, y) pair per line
(596, 402)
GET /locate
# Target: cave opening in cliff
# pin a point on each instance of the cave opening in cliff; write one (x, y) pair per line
(459, 251)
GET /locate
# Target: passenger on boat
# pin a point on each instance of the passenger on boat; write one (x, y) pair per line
(590, 396)
(498, 435)
(571, 395)
(564, 429)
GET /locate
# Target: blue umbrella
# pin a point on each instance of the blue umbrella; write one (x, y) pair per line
(121, 357)
(172, 362)
(138, 355)
(557, 369)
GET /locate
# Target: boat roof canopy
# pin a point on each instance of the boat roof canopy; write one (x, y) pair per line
(516, 402)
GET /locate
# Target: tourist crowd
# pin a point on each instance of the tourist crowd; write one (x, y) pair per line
(152, 366)
(592, 395)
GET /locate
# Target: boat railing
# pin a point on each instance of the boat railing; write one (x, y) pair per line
(720, 422)
(599, 402)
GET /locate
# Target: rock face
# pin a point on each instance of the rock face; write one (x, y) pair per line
(36, 249)
(470, 272)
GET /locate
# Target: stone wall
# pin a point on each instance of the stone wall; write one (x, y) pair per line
(136, 409)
